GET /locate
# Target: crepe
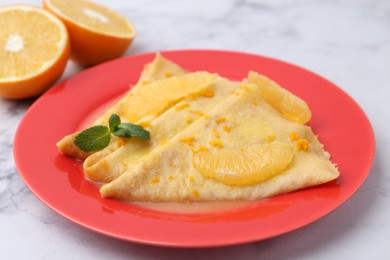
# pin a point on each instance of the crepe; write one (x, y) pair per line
(159, 68)
(170, 172)
(212, 139)
(105, 167)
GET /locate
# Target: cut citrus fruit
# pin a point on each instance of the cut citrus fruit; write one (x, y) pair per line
(34, 49)
(97, 34)
(244, 167)
(289, 105)
(158, 96)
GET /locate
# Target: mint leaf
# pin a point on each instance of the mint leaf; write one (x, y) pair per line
(113, 122)
(98, 137)
(93, 139)
(128, 130)
(122, 132)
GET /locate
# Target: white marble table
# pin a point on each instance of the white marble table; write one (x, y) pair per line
(346, 41)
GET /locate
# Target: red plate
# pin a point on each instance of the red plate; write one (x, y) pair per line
(58, 180)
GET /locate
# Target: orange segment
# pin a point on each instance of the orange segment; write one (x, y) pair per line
(34, 49)
(289, 105)
(97, 33)
(158, 96)
(245, 167)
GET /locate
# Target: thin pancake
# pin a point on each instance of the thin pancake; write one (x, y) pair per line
(241, 120)
(105, 167)
(159, 68)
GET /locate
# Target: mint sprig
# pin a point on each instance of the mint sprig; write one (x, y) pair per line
(93, 139)
(98, 137)
(128, 130)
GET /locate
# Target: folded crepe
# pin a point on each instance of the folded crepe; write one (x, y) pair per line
(242, 149)
(159, 68)
(105, 167)
(211, 140)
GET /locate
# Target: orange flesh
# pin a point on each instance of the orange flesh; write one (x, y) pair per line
(23, 52)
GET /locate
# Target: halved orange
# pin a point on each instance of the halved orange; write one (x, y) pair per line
(97, 34)
(34, 49)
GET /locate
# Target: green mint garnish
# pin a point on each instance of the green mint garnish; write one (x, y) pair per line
(114, 122)
(93, 139)
(128, 130)
(97, 137)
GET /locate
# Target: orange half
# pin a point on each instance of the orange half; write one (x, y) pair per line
(34, 50)
(97, 34)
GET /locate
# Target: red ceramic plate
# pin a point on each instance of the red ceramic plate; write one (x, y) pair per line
(58, 180)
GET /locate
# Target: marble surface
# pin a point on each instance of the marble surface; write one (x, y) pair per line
(346, 41)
